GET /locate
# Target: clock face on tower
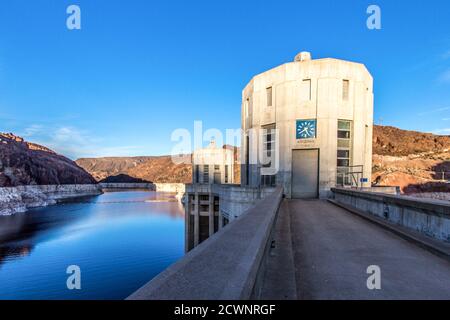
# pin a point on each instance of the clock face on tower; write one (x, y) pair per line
(306, 129)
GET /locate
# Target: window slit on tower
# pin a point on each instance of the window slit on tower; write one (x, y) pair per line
(344, 150)
(269, 149)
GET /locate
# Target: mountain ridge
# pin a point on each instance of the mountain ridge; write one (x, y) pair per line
(27, 163)
(404, 158)
(415, 161)
(158, 169)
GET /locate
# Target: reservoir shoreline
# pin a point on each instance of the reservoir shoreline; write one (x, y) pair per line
(21, 198)
(119, 239)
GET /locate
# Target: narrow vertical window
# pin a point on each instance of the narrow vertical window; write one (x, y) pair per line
(247, 160)
(306, 90)
(269, 96)
(206, 173)
(246, 106)
(345, 90)
(268, 154)
(197, 172)
(344, 146)
(217, 174)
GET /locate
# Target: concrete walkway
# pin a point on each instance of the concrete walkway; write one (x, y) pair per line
(330, 250)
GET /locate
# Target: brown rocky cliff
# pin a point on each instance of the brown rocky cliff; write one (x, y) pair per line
(409, 159)
(156, 169)
(396, 142)
(415, 161)
(25, 163)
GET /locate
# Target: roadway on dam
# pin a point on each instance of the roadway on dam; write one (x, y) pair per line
(323, 251)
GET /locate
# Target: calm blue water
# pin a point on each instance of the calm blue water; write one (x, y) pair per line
(120, 240)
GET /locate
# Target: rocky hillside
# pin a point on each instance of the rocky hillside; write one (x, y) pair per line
(415, 161)
(154, 169)
(412, 160)
(391, 141)
(25, 163)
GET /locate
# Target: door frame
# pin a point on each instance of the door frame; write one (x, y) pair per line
(318, 169)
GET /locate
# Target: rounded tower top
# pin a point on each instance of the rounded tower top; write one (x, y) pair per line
(303, 56)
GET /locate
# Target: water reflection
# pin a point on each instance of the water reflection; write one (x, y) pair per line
(129, 236)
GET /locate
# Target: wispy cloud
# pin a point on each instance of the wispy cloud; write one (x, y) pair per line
(445, 131)
(74, 143)
(32, 130)
(437, 110)
(445, 76)
(446, 55)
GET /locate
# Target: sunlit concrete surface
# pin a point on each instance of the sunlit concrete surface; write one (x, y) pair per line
(330, 250)
(325, 92)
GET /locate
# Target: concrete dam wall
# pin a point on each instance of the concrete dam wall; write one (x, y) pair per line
(179, 188)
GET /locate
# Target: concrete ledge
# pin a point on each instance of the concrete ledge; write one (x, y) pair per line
(428, 217)
(383, 189)
(158, 187)
(224, 267)
(436, 247)
(436, 207)
(116, 185)
(234, 199)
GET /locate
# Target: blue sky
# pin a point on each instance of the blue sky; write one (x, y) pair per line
(139, 69)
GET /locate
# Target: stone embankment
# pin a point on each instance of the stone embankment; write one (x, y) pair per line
(21, 198)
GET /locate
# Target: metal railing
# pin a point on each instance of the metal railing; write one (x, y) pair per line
(351, 176)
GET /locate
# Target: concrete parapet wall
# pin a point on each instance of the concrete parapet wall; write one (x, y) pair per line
(149, 186)
(234, 199)
(430, 217)
(224, 267)
(179, 188)
(381, 189)
(158, 187)
(21, 198)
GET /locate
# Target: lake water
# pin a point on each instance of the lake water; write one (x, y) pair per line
(120, 241)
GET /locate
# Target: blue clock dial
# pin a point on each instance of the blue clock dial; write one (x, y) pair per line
(306, 129)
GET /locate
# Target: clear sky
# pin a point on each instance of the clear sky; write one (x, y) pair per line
(139, 69)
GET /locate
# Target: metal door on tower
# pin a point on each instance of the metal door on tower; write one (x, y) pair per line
(305, 174)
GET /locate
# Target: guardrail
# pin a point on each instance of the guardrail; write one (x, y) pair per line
(227, 266)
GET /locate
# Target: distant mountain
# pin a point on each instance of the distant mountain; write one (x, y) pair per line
(415, 161)
(155, 169)
(25, 163)
(396, 142)
(409, 159)
(123, 178)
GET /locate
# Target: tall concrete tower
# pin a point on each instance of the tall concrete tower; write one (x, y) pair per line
(312, 120)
